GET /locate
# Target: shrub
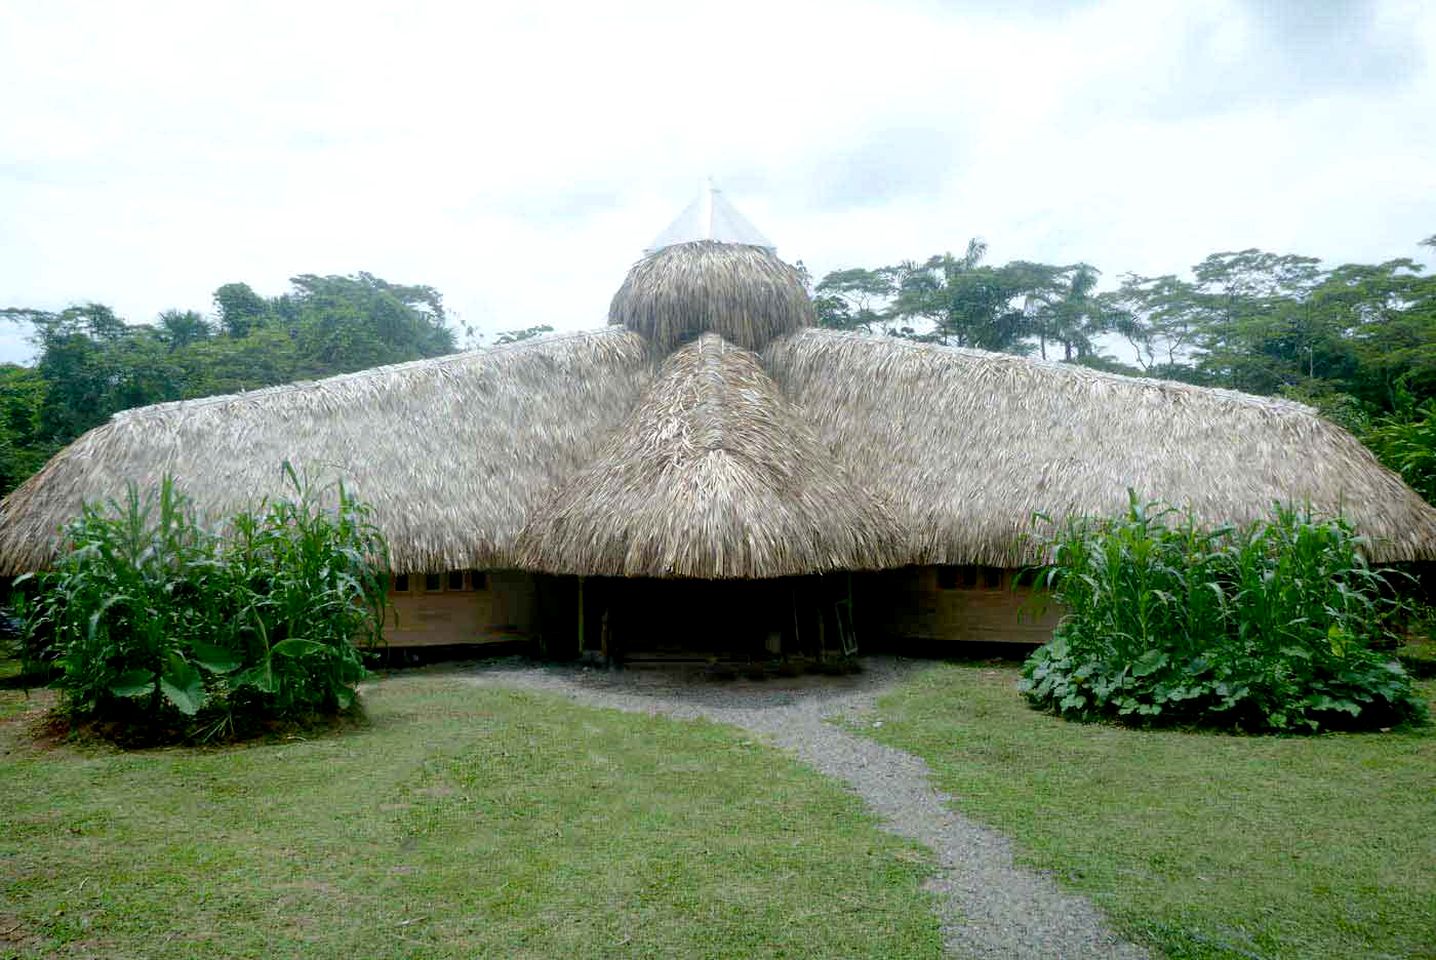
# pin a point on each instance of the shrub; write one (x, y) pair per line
(1270, 627)
(165, 630)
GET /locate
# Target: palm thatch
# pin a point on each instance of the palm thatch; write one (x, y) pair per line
(744, 294)
(969, 445)
(848, 452)
(715, 475)
(452, 453)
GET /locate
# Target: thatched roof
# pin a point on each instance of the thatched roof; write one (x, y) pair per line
(744, 294)
(451, 452)
(714, 475)
(823, 451)
(969, 445)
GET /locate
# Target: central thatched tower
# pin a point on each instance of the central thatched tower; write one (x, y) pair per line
(715, 474)
(711, 271)
(743, 293)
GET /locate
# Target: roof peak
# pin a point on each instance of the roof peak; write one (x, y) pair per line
(710, 217)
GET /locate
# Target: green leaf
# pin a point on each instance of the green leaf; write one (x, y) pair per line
(343, 696)
(215, 659)
(296, 647)
(182, 686)
(1339, 640)
(260, 677)
(1149, 663)
(133, 683)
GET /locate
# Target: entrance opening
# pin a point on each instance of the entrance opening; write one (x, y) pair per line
(632, 619)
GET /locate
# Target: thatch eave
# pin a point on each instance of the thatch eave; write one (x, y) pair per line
(451, 453)
(971, 445)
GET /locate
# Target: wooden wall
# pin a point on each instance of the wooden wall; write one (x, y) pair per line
(950, 604)
(502, 608)
(941, 605)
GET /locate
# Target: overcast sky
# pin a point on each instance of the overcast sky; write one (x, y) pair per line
(519, 161)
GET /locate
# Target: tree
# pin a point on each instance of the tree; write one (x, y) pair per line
(93, 364)
(240, 309)
(1059, 305)
(1258, 332)
(957, 301)
(1384, 317)
(351, 323)
(23, 449)
(180, 328)
(223, 364)
(1162, 320)
(855, 299)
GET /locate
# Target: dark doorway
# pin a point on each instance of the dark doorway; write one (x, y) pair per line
(695, 620)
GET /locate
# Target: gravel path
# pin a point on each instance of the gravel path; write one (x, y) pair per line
(988, 906)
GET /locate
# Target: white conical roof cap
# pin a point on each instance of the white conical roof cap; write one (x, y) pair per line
(710, 217)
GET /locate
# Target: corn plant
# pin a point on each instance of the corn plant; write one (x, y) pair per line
(1271, 626)
(135, 606)
(314, 586)
(158, 624)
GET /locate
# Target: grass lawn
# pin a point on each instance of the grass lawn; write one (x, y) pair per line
(1418, 654)
(461, 822)
(1201, 845)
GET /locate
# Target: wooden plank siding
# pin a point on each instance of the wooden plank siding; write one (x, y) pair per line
(502, 608)
(941, 605)
(953, 604)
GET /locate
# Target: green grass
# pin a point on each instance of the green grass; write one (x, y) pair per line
(461, 822)
(1202, 845)
(1418, 655)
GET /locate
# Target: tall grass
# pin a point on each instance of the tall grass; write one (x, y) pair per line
(1273, 626)
(162, 629)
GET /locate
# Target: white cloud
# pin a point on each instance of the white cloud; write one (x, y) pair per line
(519, 159)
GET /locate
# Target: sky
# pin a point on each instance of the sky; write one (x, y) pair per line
(519, 157)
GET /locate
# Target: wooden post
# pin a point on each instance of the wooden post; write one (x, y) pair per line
(580, 616)
(603, 640)
(797, 634)
(847, 633)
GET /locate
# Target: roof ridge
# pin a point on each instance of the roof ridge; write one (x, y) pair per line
(1076, 371)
